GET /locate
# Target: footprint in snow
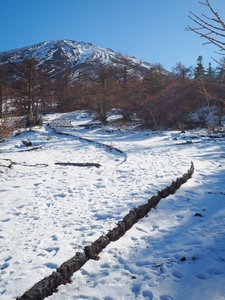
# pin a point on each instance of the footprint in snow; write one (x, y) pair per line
(177, 275)
(154, 227)
(214, 271)
(166, 297)
(5, 220)
(53, 249)
(4, 266)
(202, 276)
(179, 217)
(136, 289)
(51, 265)
(3, 292)
(104, 266)
(7, 259)
(60, 195)
(148, 295)
(103, 216)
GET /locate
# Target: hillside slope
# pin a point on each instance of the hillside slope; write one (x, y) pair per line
(54, 56)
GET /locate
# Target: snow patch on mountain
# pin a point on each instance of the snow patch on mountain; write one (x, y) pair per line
(62, 50)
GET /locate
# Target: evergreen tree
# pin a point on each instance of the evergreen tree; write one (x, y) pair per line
(210, 73)
(199, 70)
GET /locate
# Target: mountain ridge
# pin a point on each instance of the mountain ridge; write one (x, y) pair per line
(54, 55)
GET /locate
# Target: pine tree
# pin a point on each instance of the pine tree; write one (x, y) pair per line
(199, 70)
(210, 73)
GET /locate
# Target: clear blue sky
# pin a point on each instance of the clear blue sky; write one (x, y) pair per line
(152, 30)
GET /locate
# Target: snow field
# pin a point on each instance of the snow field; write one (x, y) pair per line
(172, 254)
(49, 212)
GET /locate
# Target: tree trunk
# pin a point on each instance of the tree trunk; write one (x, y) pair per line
(1, 102)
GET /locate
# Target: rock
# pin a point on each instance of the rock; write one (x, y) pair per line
(154, 200)
(96, 247)
(27, 144)
(185, 178)
(198, 215)
(183, 259)
(116, 232)
(142, 210)
(130, 219)
(72, 265)
(164, 193)
(43, 288)
(172, 188)
(178, 183)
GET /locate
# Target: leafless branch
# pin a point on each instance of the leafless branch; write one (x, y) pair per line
(210, 28)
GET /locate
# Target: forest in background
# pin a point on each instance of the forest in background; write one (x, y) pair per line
(186, 97)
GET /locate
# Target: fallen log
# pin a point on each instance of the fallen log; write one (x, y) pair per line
(78, 164)
(30, 149)
(11, 163)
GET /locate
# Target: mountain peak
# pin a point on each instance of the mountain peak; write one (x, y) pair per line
(54, 55)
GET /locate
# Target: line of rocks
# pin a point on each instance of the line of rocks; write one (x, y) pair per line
(62, 275)
(109, 147)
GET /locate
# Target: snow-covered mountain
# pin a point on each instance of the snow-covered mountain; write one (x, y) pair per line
(55, 55)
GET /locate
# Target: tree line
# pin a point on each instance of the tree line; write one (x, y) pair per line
(186, 97)
(159, 99)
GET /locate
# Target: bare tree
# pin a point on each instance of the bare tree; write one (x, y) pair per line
(101, 89)
(64, 85)
(211, 28)
(155, 78)
(28, 84)
(125, 68)
(181, 71)
(8, 124)
(3, 87)
(104, 75)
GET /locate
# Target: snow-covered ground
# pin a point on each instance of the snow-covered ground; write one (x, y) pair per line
(48, 212)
